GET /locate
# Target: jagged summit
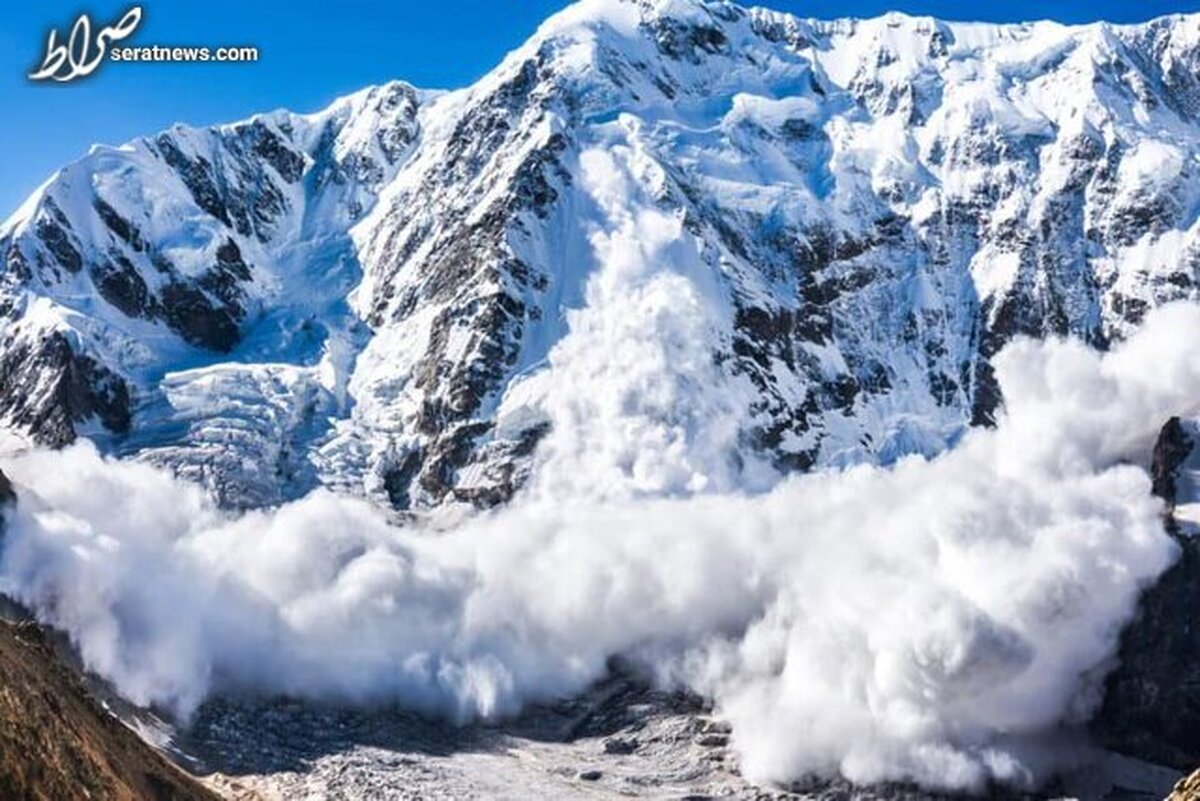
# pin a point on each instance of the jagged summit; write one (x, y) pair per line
(812, 235)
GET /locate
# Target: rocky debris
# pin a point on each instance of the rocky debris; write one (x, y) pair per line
(712, 740)
(58, 743)
(621, 746)
(623, 738)
(1151, 704)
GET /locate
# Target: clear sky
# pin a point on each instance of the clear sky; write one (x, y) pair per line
(315, 51)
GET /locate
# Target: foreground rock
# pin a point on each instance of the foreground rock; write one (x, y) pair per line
(57, 743)
(1152, 701)
(623, 739)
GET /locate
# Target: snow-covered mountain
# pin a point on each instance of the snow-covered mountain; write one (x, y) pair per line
(658, 229)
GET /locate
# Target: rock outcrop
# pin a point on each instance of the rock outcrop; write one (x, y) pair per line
(1152, 701)
(57, 743)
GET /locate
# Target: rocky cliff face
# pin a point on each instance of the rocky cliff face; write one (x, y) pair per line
(1152, 701)
(825, 229)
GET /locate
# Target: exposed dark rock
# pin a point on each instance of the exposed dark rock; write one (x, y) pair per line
(268, 146)
(224, 279)
(1152, 700)
(197, 176)
(188, 311)
(681, 40)
(620, 745)
(398, 479)
(18, 265)
(446, 455)
(120, 283)
(1173, 447)
(52, 230)
(48, 388)
(118, 224)
(7, 493)
(532, 186)
(394, 139)
(229, 256)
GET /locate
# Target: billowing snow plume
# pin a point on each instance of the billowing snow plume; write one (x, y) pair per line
(634, 393)
(927, 621)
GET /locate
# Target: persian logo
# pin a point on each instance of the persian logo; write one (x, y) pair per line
(86, 48)
(82, 53)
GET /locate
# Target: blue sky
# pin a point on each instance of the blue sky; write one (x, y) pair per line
(314, 51)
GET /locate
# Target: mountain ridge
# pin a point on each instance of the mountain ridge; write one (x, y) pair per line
(372, 295)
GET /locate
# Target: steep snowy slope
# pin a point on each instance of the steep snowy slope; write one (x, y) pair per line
(698, 244)
(173, 297)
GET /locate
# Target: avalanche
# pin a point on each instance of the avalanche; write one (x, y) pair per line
(934, 621)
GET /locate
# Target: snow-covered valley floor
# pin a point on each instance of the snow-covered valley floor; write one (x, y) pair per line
(622, 739)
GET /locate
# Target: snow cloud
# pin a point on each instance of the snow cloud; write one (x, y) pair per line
(927, 621)
(931, 621)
